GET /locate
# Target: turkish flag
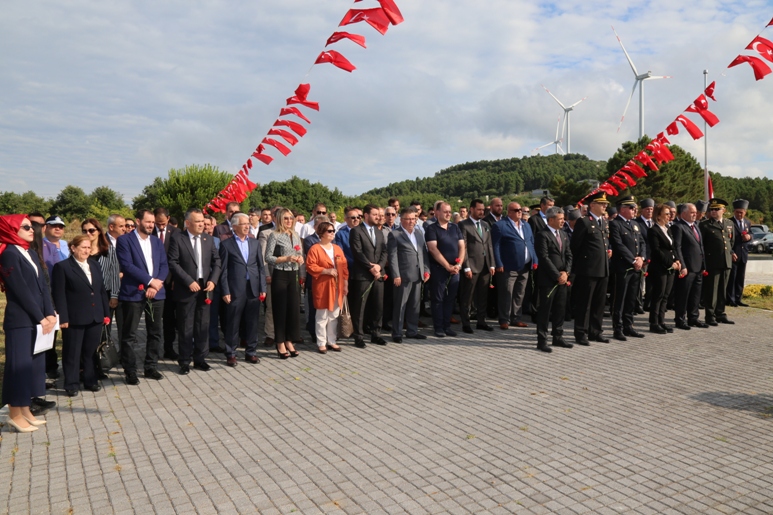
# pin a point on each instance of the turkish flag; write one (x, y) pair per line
(701, 106)
(249, 163)
(242, 178)
(265, 158)
(338, 36)
(607, 188)
(296, 127)
(336, 59)
(711, 189)
(644, 158)
(375, 17)
(305, 103)
(762, 46)
(760, 68)
(693, 129)
(662, 137)
(627, 178)
(293, 110)
(391, 11)
(661, 150)
(709, 91)
(617, 182)
(274, 143)
(635, 169)
(672, 129)
(302, 91)
(655, 153)
(288, 136)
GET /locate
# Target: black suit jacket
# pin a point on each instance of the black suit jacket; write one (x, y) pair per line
(489, 219)
(479, 253)
(365, 252)
(234, 270)
(662, 252)
(222, 231)
(537, 224)
(552, 260)
(689, 249)
(77, 301)
(645, 232)
(29, 300)
(170, 231)
(739, 245)
(627, 244)
(182, 263)
(590, 242)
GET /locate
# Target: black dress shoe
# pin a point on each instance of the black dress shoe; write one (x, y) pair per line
(397, 339)
(544, 348)
(657, 329)
(93, 388)
(440, 334)
(152, 373)
(359, 343)
(562, 343)
(203, 366)
(599, 339)
(71, 393)
(743, 304)
(633, 333)
(101, 376)
(131, 378)
(725, 321)
(730, 303)
(171, 355)
(619, 336)
(582, 341)
(37, 411)
(377, 340)
(668, 328)
(417, 336)
(467, 329)
(484, 327)
(387, 327)
(42, 403)
(639, 311)
(450, 332)
(682, 325)
(697, 323)
(711, 323)
(220, 350)
(184, 370)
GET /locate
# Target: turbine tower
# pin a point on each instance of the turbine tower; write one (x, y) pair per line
(567, 110)
(639, 79)
(556, 142)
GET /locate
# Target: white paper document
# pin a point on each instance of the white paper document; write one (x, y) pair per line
(44, 342)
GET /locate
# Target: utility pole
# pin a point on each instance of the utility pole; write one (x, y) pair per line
(705, 144)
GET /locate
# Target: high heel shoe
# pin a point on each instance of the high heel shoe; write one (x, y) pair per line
(20, 429)
(281, 355)
(36, 422)
(293, 353)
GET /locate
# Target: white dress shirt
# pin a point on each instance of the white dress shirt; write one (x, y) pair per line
(199, 271)
(519, 229)
(147, 251)
(86, 269)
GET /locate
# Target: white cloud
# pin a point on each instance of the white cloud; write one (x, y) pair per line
(119, 93)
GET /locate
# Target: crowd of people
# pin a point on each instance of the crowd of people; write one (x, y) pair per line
(381, 269)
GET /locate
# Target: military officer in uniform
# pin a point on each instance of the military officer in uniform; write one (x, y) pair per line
(717, 234)
(646, 207)
(742, 235)
(590, 251)
(628, 257)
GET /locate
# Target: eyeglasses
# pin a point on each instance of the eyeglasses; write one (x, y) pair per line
(288, 218)
(330, 231)
(353, 217)
(390, 214)
(26, 227)
(60, 227)
(321, 212)
(90, 231)
(130, 226)
(715, 209)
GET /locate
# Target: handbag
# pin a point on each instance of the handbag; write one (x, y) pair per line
(107, 351)
(345, 327)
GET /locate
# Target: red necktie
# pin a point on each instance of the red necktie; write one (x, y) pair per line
(162, 236)
(695, 232)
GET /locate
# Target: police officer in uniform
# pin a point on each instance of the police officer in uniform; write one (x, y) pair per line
(717, 234)
(743, 229)
(646, 207)
(590, 251)
(628, 258)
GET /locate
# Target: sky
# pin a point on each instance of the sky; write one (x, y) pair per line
(117, 93)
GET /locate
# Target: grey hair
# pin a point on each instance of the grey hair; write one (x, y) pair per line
(234, 218)
(112, 218)
(683, 208)
(553, 212)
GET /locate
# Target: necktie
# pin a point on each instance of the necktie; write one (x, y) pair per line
(649, 224)
(695, 232)
(372, 236)
(199, 274)
(558, 237)
(477, 226)
(162, 235)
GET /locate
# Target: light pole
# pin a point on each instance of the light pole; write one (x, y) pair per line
(705, 144)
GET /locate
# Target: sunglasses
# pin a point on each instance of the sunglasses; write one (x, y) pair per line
(321, 212)
(26, 227)
(60, 227)
(330, 231)
(288, 218)
(90, 231)
(715, 209)
(130, 226)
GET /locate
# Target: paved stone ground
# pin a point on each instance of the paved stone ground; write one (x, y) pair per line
(680, 423)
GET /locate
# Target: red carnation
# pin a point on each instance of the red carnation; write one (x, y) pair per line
(106, 320)
(568, 283)
(705, 273)
(648, 261)
(262, 297)
(534, 266)
(426, 275)
(745, 233)
(457, 260)
(386, 277)
(141, 287)
(646, 274)
(207, 301)
(297, 248)
(491, 286)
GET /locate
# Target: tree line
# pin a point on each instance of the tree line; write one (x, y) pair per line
(567, 177)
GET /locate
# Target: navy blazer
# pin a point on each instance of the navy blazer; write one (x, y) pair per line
(233, 277)
(29, 300)
(135, 270)
(739, 245)
(510, 248)
(77, 301)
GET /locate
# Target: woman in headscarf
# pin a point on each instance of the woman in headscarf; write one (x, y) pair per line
(28, 304)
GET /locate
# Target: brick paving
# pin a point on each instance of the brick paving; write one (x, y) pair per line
(678, 423)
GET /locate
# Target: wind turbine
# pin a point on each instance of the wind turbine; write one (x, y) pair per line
(567, 110)
(639, 79)
(556, 142)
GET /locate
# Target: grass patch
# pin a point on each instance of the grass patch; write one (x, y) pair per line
(760, 302)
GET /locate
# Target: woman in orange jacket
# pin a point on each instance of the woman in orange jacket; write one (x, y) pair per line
(326, 264)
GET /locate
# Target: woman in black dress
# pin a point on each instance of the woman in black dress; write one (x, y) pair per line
(663, 267)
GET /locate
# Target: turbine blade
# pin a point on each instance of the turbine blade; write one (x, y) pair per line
(543, 146)
(659, 77)
(626, 53)
(559, 126)
(554, 97)
(559, 149)
(635, 83)
(573, 105)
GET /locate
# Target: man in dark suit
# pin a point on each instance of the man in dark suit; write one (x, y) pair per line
(494, 214)
(628, 251)
(163, 231)
(224, 230)
(646, 207)
(194, 264)
(688, 244)
(718, 239)
(366, 276)
(743, 228)
(514, 254)
(590, 253)
(478, 266)
(409, 269)
(242, 284)
(555, 258)
(539, 222)
(144, 266)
